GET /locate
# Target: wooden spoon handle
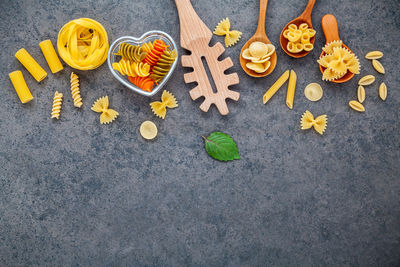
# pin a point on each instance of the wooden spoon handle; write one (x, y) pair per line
(330, 27)
(261, 18)
(306, 15)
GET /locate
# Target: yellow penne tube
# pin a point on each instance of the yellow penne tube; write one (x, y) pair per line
(51, 56)
(291, 89)
(20, 86)
(30, 64)
(275, 87)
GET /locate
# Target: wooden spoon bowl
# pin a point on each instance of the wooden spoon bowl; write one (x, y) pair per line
(331, 30)
(305, 17)
(260, 36)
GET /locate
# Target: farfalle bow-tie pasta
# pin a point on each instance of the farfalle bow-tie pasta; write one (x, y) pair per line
(223, 28)
(259, 55)
(160, 108)
(337, 61)
(107, 114)
(307, 121)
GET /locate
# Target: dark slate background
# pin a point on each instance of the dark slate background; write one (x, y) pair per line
(74, 192)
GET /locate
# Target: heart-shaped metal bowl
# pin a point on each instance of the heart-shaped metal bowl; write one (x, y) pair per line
(147, 37)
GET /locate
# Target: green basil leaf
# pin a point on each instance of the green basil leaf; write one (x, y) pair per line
(221, 147)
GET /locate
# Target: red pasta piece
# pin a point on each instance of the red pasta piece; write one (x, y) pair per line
(154, 55)
(144, 83)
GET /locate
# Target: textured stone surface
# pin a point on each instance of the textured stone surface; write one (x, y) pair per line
(74, 192)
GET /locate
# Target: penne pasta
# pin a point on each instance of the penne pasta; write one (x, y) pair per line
(291, 89)
(275, 87)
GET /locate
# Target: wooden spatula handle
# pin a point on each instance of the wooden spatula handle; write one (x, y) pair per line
(330, 27)
(192, 27)
(261, 17)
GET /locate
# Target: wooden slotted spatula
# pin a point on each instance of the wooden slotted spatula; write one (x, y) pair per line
(195, 37)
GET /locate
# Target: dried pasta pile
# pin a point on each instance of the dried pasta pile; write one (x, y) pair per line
(299, 38)
(145, 65)
(83, 44)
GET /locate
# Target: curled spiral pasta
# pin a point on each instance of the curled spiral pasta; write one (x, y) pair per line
(132, 52)
(76, 95)
(163, 65)
(57, 101)
(133, 69)
(144, 83)
(83, 44)
(147, 47)
(154, 55)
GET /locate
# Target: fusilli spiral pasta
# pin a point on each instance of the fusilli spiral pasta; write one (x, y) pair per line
(133, 69)
(131, 52)
(154, 55)
(57, 101)
(76, 95)
(163, 65)
(144, 83)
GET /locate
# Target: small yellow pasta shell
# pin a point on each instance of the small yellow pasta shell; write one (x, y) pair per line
(303, 27)
(361, 93)
(305, 38)
(311, 32)
(383, 91)
(374, 55)
(366, 80)
(308, 47)
(292, 27)
(357, 106)
(378, 66)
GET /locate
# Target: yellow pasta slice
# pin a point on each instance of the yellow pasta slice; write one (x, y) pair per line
(275, 87)
(51, 56)
(308, 47)
(167, 101)
(285, 33)
(292, 27)
(378, 66)
(30, 64)
(291, 89)
(307, 121)
(101, 106)
(305, 38)
(311, 32)
(223, 28)
(313, 92)
(18, 81)
(294, 36)
(148, 130)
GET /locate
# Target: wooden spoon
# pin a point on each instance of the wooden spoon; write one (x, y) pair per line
(305, 17)
(330, 27)
(261, 37)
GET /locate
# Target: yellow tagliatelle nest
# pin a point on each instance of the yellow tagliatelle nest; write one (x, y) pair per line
(259, 55)
(83, 44)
